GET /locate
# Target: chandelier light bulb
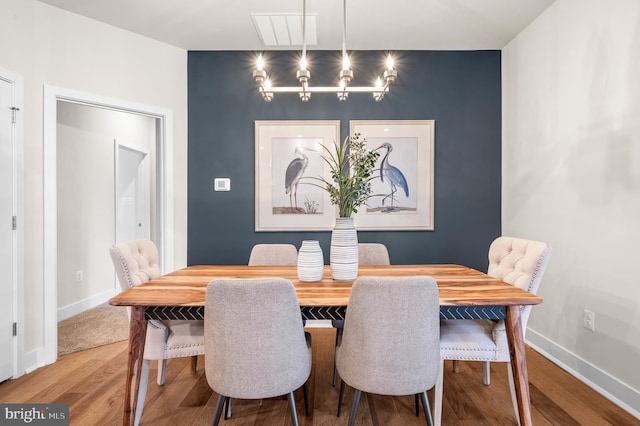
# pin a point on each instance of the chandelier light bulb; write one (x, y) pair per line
(346, 63)
(260, 63)
(389, 62)
(378, 83)
(303, 63)
(267, 84)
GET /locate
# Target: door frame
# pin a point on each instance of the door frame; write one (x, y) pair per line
(164, 237)
(18, 211)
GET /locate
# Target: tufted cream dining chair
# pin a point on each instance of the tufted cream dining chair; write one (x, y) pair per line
(368, 254)
(515, 261)
(273, 254)
(390, 343)
(248, 356)
(136, 262)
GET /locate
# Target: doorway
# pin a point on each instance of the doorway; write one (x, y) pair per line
(160, 229)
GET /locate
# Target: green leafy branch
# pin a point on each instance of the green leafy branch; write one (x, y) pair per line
(352, 167)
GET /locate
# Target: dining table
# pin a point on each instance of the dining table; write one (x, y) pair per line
(464, 293)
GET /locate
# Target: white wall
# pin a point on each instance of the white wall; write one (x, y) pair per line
(49, 46)
(86, 186)
(571, 177)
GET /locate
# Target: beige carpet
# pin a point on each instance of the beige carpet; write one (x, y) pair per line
(98, 326)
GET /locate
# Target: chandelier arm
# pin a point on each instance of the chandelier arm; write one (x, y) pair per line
(327, 89)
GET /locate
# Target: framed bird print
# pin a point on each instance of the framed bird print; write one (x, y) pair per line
(402, 185)
(287, 154)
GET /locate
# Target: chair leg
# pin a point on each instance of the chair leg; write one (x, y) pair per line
(437, 396)
(222, 400)
(427, 409)
(417, 398)
(194, 364)
(335, 370)
(292, 408)
(227, 409)
(142, 391)
(354, 407)
(486, 372)
(305, 392)
(162, 370)
(512, 388)
(340, 397)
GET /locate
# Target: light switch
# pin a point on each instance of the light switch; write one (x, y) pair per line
(222, 184)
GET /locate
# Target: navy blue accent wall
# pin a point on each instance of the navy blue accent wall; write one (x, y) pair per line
(459, 90)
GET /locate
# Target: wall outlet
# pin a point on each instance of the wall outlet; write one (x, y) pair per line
(589, 320)
(79, 276)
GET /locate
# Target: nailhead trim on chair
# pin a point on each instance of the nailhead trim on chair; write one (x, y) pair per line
(473, 350)
(125, 266)
(535, 272)
(194, 353)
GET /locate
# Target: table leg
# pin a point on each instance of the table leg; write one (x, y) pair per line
(518, 363)
(137, 335)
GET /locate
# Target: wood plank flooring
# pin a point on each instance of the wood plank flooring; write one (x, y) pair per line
(92, 383)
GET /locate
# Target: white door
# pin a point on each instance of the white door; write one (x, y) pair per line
(133, 194)
(7, 340)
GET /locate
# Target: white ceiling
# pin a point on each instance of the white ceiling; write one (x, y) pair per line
(371, 24)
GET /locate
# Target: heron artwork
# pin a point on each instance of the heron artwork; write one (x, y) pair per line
(294, 172)
(392, 174)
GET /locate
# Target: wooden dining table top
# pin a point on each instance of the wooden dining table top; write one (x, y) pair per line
(458, 285)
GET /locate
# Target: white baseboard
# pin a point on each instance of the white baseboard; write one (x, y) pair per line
(82, 305)
(602, 382)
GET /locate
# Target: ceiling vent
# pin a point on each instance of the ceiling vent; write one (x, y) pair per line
(285, 29)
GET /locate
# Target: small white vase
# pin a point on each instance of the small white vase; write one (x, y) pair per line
(310, 261)
(344, 250)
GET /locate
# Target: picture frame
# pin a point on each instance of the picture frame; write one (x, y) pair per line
(280, 204)
(403, 183)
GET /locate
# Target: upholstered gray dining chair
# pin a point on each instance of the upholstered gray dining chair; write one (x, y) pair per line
(373, 254)
(255, 341)
(368, 254)
(136, 262)
(273, 254)
(390, 344)
(518, 262)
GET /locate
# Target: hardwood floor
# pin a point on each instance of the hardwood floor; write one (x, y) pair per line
(92, 383)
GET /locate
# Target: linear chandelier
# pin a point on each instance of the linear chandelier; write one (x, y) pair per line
(345, 75)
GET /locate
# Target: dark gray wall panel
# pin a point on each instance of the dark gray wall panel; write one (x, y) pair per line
(459, 90)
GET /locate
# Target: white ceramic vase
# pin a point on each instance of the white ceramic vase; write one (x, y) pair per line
(310, 261)
(344, 250)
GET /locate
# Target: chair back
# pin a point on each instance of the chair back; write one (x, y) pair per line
(135, 262)
(273, 254)
(254, 338)
(373, 254)
(391, 339)
(521, 263)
